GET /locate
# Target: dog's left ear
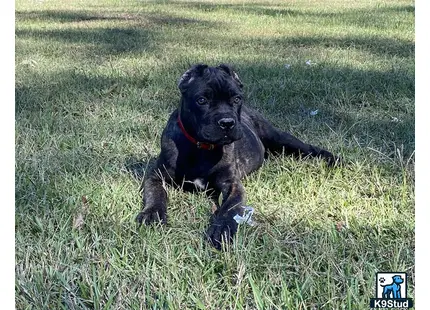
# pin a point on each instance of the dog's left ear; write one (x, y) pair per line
(231, 72)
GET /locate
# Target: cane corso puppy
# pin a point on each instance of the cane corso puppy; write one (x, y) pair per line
(210, 142)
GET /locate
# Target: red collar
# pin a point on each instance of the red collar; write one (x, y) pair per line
(200, 145)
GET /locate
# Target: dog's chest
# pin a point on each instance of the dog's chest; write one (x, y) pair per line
(197, 166)
(200, 183)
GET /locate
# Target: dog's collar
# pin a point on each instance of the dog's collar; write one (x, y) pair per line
(200, 145)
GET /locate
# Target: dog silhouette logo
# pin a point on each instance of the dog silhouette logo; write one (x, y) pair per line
(391, 291)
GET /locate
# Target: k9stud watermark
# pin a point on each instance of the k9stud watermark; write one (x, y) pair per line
(391, 291)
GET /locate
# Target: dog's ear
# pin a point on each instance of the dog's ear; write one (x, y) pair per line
(231, 72)
(189, 75)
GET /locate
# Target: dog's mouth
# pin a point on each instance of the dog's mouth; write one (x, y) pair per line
(220, 137)
(227, 140)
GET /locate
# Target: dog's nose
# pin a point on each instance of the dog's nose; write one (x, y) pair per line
(226, 123)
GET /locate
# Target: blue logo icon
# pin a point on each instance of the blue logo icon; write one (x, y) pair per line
(391, 291)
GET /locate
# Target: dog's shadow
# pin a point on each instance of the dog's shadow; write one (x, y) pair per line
(138, 167)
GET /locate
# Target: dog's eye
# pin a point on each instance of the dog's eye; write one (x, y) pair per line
(237, 99)
(201, 100)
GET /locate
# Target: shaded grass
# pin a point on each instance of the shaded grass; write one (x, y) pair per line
(94, 87)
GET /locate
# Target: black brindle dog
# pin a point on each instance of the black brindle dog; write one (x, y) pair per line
(210, 142)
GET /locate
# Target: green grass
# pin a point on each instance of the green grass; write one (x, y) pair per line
(95, 83)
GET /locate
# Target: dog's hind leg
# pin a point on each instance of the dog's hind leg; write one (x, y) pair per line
(277, 141)
(385, 293)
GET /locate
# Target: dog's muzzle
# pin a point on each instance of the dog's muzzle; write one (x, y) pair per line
(226, 123)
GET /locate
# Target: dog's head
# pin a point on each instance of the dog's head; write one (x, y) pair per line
(211, 103)
(397, 279)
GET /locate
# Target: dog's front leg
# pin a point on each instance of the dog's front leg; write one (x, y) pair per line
(154, 198)
(397, 293)
(222, 225)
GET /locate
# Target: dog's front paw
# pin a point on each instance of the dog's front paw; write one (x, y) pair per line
(152, 215)
(222, 229)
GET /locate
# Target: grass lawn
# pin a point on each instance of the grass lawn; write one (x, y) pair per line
(95, 84)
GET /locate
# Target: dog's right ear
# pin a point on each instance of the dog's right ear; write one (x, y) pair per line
(189, 75)
(233, 73)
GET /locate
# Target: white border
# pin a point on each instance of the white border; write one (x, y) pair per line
(422, 171)
(7, 114)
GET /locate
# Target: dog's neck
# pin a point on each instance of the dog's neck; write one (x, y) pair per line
(199, 145)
